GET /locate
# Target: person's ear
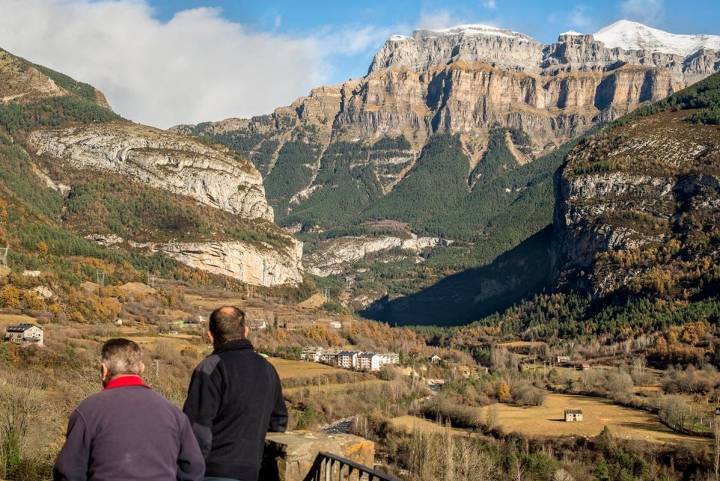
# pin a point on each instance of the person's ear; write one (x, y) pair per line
(210, 337)
(142, 368)
(104, 372)
(247, 330)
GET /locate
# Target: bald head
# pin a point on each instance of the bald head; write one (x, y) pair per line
(227, 323)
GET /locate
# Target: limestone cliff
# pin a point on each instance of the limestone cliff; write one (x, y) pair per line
(638, 205)
(169, 161)
(132, 187)
(466, 80)
(334, 256)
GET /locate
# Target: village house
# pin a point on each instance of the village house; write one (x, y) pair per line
(573, 415)
(389, 358)
(347, 359)
(362, 361)
(312, 354)
(368, 361)
(25, 334)
(562, 359)
(329, 356)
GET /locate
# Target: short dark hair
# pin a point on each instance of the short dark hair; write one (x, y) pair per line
(227, 323)
(122, 356)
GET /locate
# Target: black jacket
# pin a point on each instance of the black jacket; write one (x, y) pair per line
(234, 399)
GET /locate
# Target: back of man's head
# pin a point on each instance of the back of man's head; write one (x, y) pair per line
(227, 323)
(122, 357)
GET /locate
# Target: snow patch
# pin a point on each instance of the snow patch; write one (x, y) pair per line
(474, 29)
(629, 35)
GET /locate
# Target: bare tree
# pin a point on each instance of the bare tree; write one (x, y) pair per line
(16, 408)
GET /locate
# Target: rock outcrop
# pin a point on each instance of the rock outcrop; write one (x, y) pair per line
(630, 198)
(466, 80)
(248, 263)
(335, 255)
(166, 160)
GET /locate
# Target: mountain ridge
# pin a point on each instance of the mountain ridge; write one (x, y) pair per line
(145, 192)
(479, 107)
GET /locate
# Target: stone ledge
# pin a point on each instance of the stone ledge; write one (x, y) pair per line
(290, 456)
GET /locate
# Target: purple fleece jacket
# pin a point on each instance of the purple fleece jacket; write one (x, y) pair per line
(129, 433)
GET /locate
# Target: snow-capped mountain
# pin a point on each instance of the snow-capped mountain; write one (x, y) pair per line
(471, 30)
(629, 35)
(623, 42)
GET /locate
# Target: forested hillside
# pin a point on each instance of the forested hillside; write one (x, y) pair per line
(637, 230)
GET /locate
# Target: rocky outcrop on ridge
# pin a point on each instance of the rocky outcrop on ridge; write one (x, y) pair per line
(172, 162)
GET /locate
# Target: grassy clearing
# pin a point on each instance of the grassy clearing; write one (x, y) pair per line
(548, 419)
(288, 369)
(410, 424)
(334, 387)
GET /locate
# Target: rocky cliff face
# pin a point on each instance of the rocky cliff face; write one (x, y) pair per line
(133, 187)
(258, 265)
(364, 150)
(639, 203)
(334, 256)
(467, 79)
(162, 159)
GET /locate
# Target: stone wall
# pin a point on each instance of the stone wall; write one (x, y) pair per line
(290, 456)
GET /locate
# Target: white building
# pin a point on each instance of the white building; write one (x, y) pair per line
(329, 356)
(368, 361)
(313, 354)
(347, 360)
(25, 334)
(389, 358)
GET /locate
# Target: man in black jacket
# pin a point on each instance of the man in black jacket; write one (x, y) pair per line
(234, 399)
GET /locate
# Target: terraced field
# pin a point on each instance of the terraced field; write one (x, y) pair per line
(548, 420)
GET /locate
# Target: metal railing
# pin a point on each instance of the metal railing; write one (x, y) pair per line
(329, 467)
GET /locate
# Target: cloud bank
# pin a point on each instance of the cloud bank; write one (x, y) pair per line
(648, 11)
(196, 66)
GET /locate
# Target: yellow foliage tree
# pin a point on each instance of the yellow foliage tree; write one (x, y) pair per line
(10, 297)
(504, 392)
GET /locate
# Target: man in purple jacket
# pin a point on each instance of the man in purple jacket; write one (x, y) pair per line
(127, 432)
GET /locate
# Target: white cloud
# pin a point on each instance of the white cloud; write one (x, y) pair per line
(490, 4)
(438, 19)
(196, 66)
(581, 20)
(435, 19)
(648, 11)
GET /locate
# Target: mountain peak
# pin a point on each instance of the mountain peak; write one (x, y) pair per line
(471, 29)
(629, 35)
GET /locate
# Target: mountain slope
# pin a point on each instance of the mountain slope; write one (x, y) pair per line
(636, 233)
(437, 136)
(136, 188)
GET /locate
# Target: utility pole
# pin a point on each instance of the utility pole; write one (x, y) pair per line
(150, 279)
(157, 368)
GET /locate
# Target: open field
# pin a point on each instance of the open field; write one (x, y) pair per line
(335, 387)
(288, 369)
(410, 423)
(16, 318)
(548, 419)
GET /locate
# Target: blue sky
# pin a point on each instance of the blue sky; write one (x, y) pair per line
(542, 20)
(165, 62)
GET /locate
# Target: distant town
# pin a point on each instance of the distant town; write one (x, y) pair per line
(356, 360)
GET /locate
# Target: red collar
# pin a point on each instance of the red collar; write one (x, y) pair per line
(125, 381)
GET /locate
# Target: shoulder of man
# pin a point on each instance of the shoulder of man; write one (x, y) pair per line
(209, 364)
